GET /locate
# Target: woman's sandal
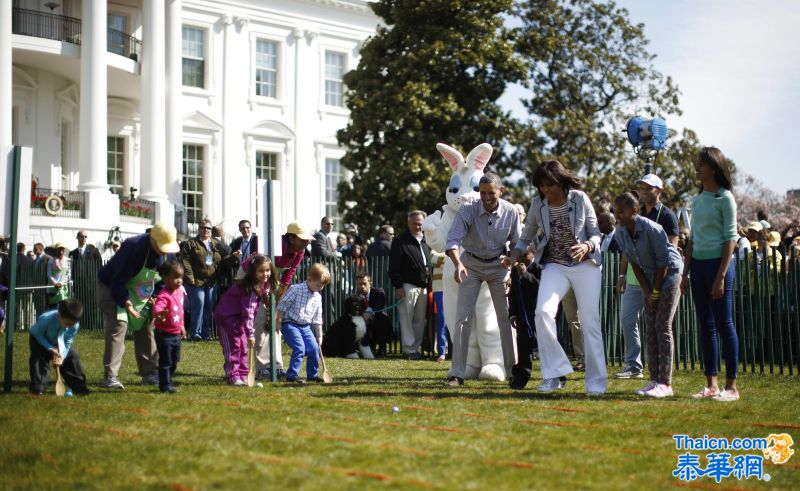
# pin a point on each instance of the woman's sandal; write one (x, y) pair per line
(706, 393)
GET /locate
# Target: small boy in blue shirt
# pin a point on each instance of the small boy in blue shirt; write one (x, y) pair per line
(51, 342)
(300, 320)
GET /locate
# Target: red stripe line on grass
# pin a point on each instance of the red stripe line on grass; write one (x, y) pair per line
(383, 404)
(447, 429)
(513, 463)
(700, 485)
(179, 487)
(598, 448)
(776, 425)
(559, 423)
(356, 441)
(273, 459)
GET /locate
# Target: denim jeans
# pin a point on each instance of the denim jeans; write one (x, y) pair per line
(201, 304)
(441, 326)
(632, 304)
(169, 354)
(715, 316)
(303, 343)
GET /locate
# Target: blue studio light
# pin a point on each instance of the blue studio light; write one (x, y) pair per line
(647, 134)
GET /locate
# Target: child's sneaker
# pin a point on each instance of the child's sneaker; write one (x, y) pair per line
(706, 393)
(240, 383)
(646, 388)
(727, 396)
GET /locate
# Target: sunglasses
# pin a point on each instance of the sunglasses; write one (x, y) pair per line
(82, 236)
(204, 228)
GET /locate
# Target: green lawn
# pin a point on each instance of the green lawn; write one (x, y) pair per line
(346, 436)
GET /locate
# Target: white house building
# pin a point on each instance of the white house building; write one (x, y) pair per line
(187, 102)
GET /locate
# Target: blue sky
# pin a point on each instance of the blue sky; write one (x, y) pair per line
(737, 64)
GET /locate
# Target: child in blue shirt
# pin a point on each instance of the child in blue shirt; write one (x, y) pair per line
(51, 342)
(300, 321)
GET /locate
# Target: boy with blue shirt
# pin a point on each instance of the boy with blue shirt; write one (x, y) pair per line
(300, 320)
(51, 342)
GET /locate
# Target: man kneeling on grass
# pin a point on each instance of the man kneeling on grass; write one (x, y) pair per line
(51, 341)
(299, 310)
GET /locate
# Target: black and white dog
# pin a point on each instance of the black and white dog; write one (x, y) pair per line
(347, 337)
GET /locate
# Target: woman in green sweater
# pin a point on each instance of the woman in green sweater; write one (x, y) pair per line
(712, 240)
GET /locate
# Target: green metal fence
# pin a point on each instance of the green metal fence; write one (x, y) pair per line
(766, 302)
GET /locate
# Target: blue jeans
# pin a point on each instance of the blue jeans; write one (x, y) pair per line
(715, 316)
(201, 304)
(632, 304)
(441, 326)
(169, 354)
(303, 343)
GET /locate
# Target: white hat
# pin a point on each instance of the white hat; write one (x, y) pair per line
(652, 180)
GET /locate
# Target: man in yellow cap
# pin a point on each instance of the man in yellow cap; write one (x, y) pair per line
(124, 285)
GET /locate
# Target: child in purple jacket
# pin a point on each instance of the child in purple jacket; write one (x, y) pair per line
(236, 312)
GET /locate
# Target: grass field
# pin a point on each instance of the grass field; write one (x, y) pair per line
(346, 436)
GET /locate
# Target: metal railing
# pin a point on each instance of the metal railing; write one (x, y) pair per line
(124, 44)
(68, 29)
(766, 305)
(47, 26)
(137, 210)
(57, 203)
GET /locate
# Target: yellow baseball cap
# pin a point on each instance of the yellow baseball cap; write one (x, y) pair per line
(166, 238)
(294, 228)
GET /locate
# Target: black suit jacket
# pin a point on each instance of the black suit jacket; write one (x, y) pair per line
(321, 246)
(377, 300)
(237, 244)
(405, 261)
(90, 252)
(379, 248)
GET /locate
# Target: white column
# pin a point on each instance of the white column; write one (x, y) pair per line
(93, 102)
(5, 74)
(6, 173)
(174, 149)
(153, 156)
(102, 207)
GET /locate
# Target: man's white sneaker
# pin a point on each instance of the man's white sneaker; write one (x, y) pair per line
(629, 372)
(551, 384)
(645, 388)
(660, 391)
(113, 383)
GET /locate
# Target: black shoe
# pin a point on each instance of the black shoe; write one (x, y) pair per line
(413, 356)
(169, 390)
(316, 380)
(455, 381)
(83, 392)
(295, 381)
(37, 392)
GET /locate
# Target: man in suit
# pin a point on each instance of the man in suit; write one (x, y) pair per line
(242, 247)
(383, 243)
(40, 258)
(85, 251)
(606, 223)
(408, 269)
(379, 327)
(323, 246)
(22, 256)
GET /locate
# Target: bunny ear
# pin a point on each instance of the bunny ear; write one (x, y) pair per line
(451, 155)
(480, 156)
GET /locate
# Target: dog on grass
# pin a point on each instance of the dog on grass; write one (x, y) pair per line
(347, 337)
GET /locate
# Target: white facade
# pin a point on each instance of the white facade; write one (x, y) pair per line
(216, 92)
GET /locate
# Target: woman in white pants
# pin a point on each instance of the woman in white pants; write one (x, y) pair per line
(562, 222)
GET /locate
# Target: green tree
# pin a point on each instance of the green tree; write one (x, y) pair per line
(432, 74)
(589, 72)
